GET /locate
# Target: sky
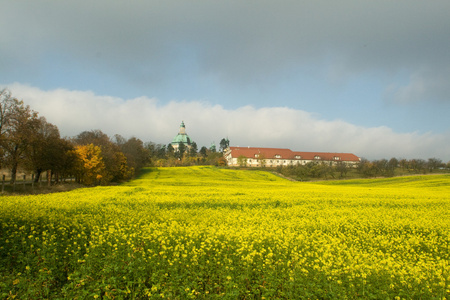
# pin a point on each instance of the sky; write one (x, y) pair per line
(366, 77)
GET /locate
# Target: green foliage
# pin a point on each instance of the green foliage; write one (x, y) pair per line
(242, 161)
(365, 169)
(224, 144)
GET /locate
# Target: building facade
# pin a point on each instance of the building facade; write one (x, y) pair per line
(274, 157)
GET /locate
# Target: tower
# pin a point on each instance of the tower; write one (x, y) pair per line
(181, 137)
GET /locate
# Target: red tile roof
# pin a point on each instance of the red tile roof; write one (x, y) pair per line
(272, 153)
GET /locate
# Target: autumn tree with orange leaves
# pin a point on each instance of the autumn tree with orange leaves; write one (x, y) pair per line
(90, 168)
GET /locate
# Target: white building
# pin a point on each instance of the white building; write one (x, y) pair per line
(273, 157)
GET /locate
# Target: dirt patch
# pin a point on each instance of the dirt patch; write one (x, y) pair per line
(29, 190)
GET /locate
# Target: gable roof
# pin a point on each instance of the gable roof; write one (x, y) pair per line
(280, 153)
(327, 156)
(251, 152)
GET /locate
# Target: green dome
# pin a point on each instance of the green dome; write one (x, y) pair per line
(182, 137)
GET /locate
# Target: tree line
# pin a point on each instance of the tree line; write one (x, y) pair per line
(365, 168)
(31, 144)
(166, 156)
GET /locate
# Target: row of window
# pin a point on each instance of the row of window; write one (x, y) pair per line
(299, 157)
(249, 160)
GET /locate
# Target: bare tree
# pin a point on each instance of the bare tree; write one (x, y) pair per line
(7, 104)
(47, 150)
(342, 168)
(137, 155)
(434, 164)
(19, 127)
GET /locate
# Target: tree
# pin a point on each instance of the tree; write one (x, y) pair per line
(242, 161)
(109, 152)
(320, 169)
(434, 164)
(121, 169)
(212, 148)
(47, 149)
(381, 167)
(262, 159)
(170, 151)
(193, 149)
(90, 167)
(96, 137)
(180, 151)
(155, 151)
(66, 165)
(392, 165)
(204, 151)
(403, 163)
(119, 140)
(214, 158)
(7, 107)
(30, 142)
(418, 165)
(137, 155)
(224, 144)
(342, 168)
(160, 151)
(19, 126)
(7, 104)
(366, 168)
(152, 150)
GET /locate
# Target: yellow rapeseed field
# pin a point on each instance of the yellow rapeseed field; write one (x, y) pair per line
(207, 233)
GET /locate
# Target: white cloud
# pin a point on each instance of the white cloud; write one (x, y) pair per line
(145, 118)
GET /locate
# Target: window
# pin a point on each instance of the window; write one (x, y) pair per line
(337, 158)
(277, 156)
(317, 157)
(256, 155)
(298, 157)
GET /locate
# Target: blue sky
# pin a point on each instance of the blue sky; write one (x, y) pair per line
(371, 78)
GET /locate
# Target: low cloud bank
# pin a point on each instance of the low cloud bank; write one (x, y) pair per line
(147, 119)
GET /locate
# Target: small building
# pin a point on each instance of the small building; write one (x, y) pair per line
(274, 157)
(181, 137)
